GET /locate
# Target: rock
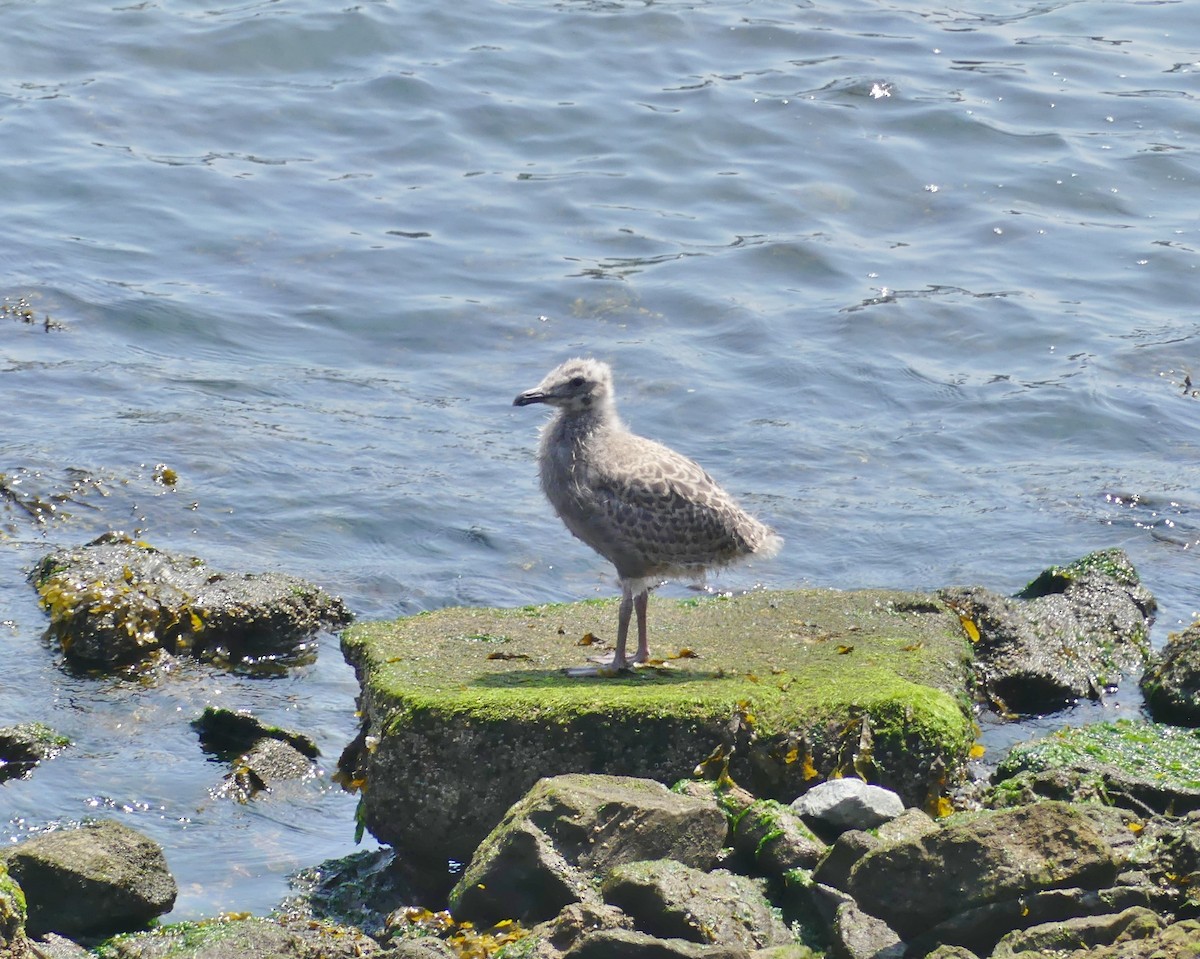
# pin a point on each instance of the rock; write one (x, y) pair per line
(980, 928)
(117, 602)
(1145, 767)
(775, 839)
(256, 937)
(834, 869)
(100, 878)
(817, 679)
(857, 935)
(52, 946)
(427, 948)
(1171, 684)
(984, 858)
(849, 804)
(1080, 933)
(358, 890)
(13, 942)
(794, 950)
(577, 921)
(543, 853)
(627, 944)
(25, 745)
(672, 901)
(1070, 633)
(260, 756)
(228, 732)
(265, 765)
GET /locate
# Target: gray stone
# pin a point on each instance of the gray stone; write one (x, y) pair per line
(268, 763)
(981, 927)
(849, 804)
(100, 878)
(856, 935)
(576, 921)
(914, 884)
(543, 854)
(52, 946)
(673, 901)
(834, 869)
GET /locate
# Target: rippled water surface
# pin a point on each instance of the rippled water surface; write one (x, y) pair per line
(916, 281)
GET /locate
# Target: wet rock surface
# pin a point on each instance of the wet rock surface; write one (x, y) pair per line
(260, 756)
(1073, 631)
(117, 602)
(25, 745)
(1171, 684)
(1145, 767)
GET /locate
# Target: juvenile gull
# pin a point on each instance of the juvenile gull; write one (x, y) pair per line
(652, 512)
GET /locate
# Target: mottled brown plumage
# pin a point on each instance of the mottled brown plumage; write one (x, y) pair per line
(652, 512)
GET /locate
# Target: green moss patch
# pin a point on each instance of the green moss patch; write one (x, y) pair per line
(1141, 765)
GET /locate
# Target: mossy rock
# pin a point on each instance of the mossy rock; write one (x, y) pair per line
(465, 709)
(1143, 766)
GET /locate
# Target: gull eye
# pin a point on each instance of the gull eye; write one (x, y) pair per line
(576, 382)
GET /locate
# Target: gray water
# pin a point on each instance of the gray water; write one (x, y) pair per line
(917, 282)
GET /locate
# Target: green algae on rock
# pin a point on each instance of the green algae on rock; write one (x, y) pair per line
(1142, 766)
(117, 602)
(464, 709)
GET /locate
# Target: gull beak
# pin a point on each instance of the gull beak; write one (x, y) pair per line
(530, 396)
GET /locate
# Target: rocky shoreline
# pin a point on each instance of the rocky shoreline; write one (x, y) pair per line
(793, 782)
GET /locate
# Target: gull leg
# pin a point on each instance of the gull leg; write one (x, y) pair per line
(619, 662)
(627, 603)
(640, 603)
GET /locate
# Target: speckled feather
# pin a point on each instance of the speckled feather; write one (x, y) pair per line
(649, 510)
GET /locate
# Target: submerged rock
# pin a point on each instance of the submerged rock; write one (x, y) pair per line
(100, 878)
(1069, 634)
(1171, 684)
(116, 602)
(25, 745)
(260, 756)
